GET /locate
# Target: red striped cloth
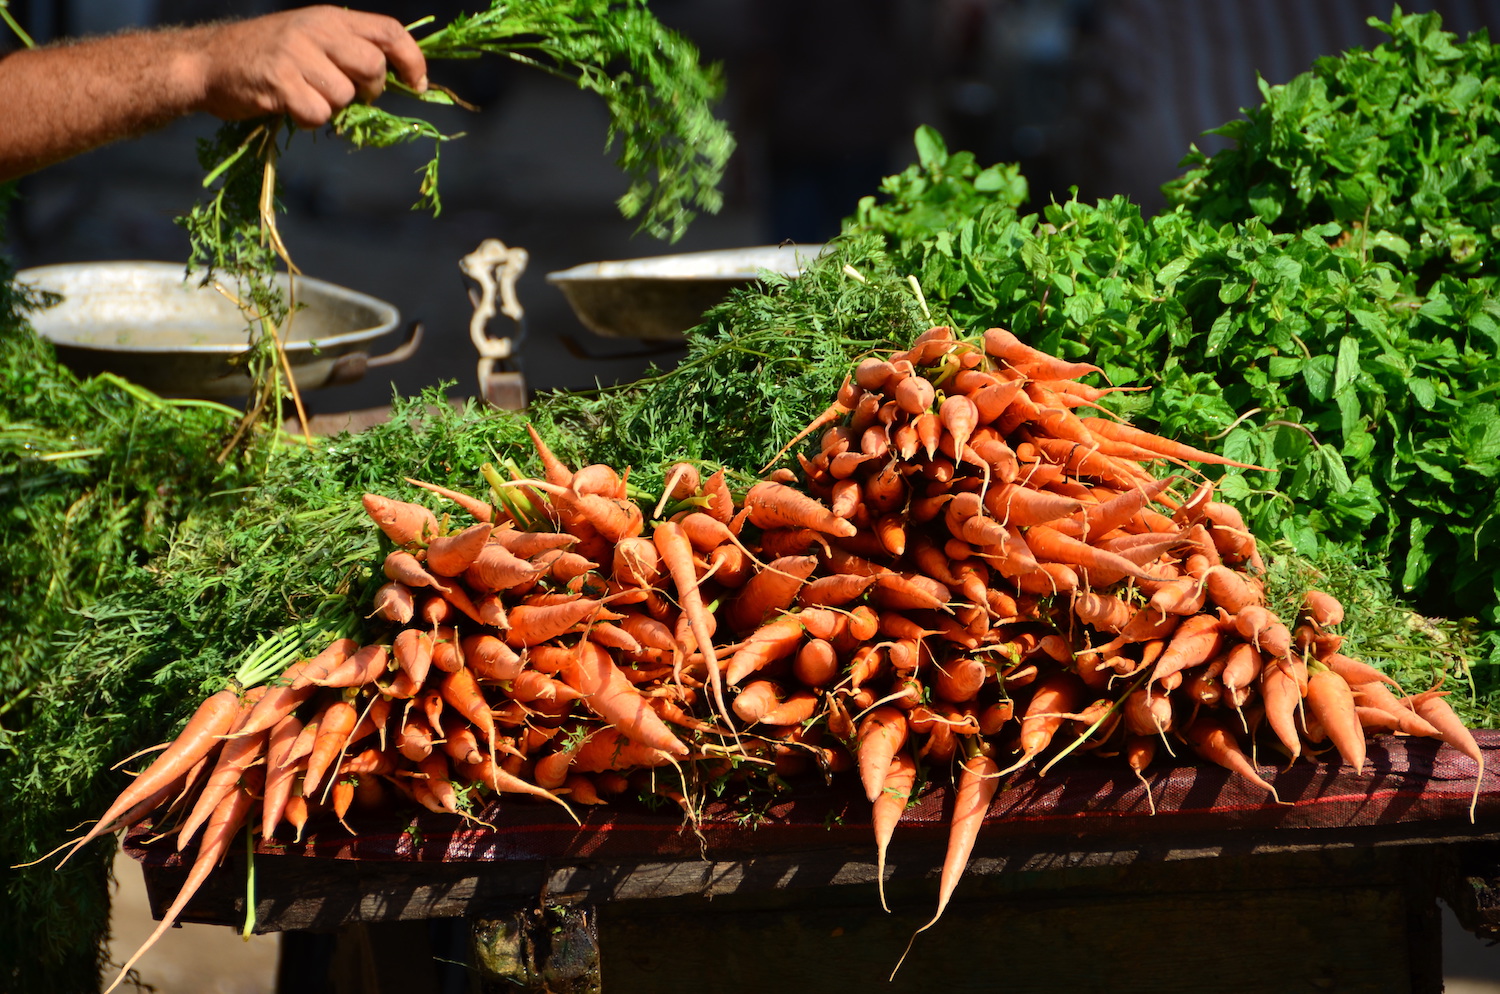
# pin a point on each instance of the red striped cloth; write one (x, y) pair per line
(1413, 782)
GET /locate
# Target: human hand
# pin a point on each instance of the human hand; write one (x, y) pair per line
(307, 63)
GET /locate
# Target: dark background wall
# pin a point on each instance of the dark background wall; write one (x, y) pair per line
(823, 96)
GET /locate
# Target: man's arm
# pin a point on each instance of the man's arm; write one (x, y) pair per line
(58, 101)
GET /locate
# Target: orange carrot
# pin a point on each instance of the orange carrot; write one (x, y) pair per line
(611, 696)
(1049, 544)
(237, 756)
(1034, 363)
(836, 410)
(1195, 642)
(1324, 610)
(677, 555)
(1354, 671)
(403, 523)
(462, 691)
(1278, 688)
(403, 567)
(532, 624)
(774, 505)
(281, 776)
(198, 738)
(881, 735)
(394, 602)
(794, 709)
(1056, 695)
(450, 555)
(489, 658)
(498, 568)
(218, 835)
(1120, 432)
(978, 781)
(774, 640)
(553, 468)
(1440, 714)
(1331, 703)
(362, 666)
(335, 724)
(481, 510)
(888, 807)
(1213, 739)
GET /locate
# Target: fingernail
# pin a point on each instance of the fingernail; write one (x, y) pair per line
(422, 85)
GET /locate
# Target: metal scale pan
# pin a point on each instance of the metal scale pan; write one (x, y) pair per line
(146, 322)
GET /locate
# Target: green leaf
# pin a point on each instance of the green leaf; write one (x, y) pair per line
(932, 151)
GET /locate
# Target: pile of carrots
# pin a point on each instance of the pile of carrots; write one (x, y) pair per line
(966, 577)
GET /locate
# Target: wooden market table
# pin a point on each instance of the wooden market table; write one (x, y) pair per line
(1075, 885)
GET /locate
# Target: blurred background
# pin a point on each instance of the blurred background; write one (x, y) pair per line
(823, 97)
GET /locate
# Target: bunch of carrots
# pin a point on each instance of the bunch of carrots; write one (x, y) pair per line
(967, 576)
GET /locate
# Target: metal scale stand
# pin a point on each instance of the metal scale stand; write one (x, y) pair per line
(495, 267)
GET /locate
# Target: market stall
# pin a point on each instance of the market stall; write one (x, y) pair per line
(1121, 678)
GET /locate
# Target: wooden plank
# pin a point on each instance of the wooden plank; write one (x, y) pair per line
(299, 893)
(1246, 926)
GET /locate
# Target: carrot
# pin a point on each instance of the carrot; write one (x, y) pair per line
(1034, 363)
(1106, 612)
(481, 510)
(1278, 688)
(462, 692)
(489, 658)
(881, 735)
(677, 555)
(960, 679)
(501, 781)
(817, 663)
(1440, 714)
(553, 469)
(1331, 703)
(414, 739)
(218, 835)
(836, 410)
(1242, 664)
(412, 651)
(610, 749)
(532, 624)
(281, 775)
(1052, 545)
(611, 696)
(450, 555)
(394, 602)
(498, 568)
(1354, 671)
(794, 709)
(887, 809)
(1377, 695)
(1213, 739)
(978, 781)
(599, 480)
(1119, 432)
(1195, 642)
(403, 523)
(360, 668)
(774, 640)
(1055, 696)
(756, 699)
(335, 724)
(403, 567)
(1324, 610)
(213, 718)
(775, 505)
(834, 591)
(1184, 596)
